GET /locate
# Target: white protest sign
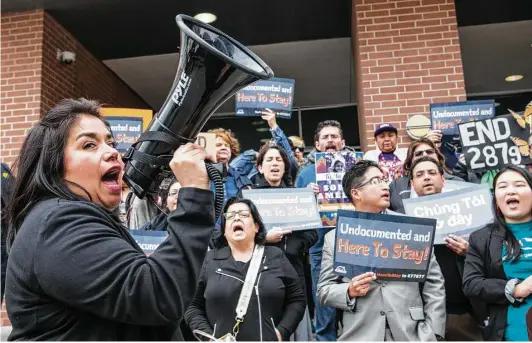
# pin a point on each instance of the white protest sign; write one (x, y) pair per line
(459, 212)
(208, 142)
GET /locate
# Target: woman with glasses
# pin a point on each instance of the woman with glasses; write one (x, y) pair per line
(498, 265)
(401, 188)
(168, 198)
(277, 302)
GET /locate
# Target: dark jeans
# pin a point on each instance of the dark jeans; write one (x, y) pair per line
(325, 318)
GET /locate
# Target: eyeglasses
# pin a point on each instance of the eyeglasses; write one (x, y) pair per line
(298, 149)
(173, 194)
(375, 181)
(427, 152)
(241, 214)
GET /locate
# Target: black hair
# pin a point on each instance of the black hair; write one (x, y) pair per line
(287, 178)
(355, 175)
(513, 248)
(326, 123)
(260, 237)
(425, 159)
(40, 167)
(163, 193)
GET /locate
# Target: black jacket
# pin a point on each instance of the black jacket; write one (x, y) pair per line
(400, 189)
(296, 245)
(6, 183)
(484, 278)
(277, 300)
(158, 223)
(74, 273)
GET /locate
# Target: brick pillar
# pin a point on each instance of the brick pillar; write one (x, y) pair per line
(33, 80)
(21, 71)
(407, 56)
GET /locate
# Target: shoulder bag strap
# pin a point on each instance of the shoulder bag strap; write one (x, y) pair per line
(247, 289)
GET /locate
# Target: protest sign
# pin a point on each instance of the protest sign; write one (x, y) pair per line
(126, 131)
(148, 240)
(127, 124)
(396, 248)
(276, 95)
(330, 170)
(207, 141)
(447, 116)
(459, 212)
(451, 185)
(494, 143)
(285, 208)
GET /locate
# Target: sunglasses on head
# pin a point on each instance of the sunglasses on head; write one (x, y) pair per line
(427, 152)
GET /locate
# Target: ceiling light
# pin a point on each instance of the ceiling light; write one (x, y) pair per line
(261, 129)
(513, 78)
(205, 17)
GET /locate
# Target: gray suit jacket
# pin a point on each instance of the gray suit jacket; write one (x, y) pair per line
(411, 316)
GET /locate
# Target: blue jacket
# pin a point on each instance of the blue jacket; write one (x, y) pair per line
(245, 163)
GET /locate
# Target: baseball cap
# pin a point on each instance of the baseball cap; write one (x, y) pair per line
(383, 128)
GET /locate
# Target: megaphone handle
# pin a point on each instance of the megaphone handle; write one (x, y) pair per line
(218, 182)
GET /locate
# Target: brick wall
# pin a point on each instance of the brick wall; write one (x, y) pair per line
(33, 80)
(408, 56)
(21, 71)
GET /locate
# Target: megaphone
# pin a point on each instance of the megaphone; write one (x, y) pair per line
(212, 68)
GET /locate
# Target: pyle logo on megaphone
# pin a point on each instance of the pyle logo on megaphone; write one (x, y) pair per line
(181, 89)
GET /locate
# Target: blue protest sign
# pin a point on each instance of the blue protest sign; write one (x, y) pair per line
(148, 240)
(275, 95)
(126, 131)
(447, 116)
(396, 248)
(286, 208)
(460, 212)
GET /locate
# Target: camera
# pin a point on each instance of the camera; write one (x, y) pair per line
(66, 57)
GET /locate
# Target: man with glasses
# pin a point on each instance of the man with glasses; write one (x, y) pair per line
(427, 179)
(375, 310)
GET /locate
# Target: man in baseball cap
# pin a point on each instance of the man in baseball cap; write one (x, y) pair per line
(387, 155)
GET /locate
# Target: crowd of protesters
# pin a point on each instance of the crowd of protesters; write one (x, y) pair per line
(74, 272)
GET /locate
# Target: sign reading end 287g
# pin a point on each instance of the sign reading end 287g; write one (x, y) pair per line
(494, 143)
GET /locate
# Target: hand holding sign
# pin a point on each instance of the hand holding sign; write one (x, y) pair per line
(359, 286)
(315, 188)
(457, 244)
(269, 116)
(435, 136)
(275, 236)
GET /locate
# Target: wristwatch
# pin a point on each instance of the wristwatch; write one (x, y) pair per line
(509, 291)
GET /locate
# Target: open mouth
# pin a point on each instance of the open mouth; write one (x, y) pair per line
(330, 148)
(111, 179)
(275, 170)
(238, 228)
(386, 196)
(512, 202)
